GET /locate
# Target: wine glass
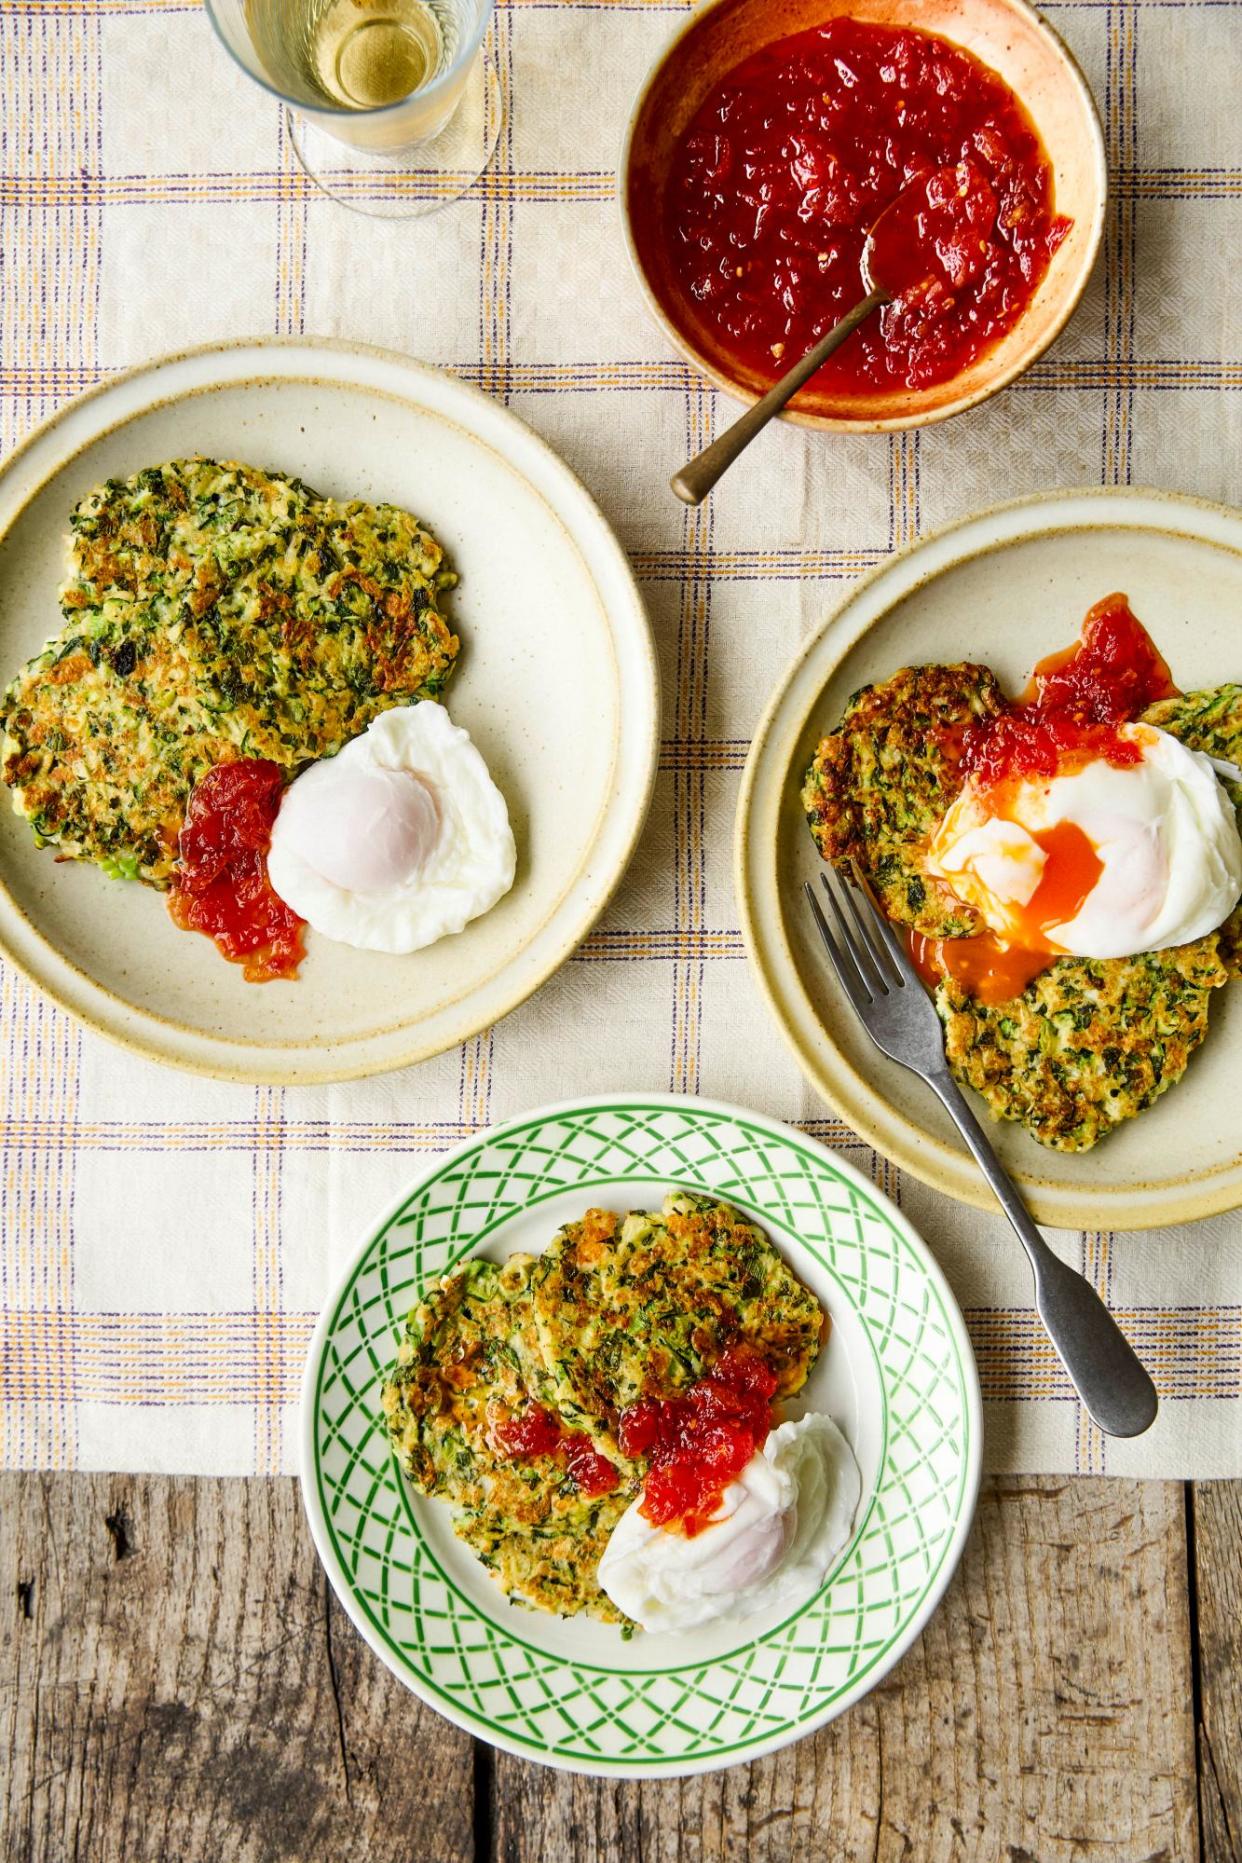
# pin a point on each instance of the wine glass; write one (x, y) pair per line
(394, 106)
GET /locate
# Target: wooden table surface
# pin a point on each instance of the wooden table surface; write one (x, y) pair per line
(178, 1684)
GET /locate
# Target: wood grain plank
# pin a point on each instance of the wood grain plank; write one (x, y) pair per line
(174, 1684)
(1216, 1509)
(1045, 1716)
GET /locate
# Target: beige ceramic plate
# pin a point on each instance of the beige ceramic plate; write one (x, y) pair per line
(556, 658)
(1005, 588)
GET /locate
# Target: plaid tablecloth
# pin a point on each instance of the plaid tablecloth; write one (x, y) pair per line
(167, 1241)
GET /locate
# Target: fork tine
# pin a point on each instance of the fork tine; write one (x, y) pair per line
(895, 946)
(859, 948)
(872, 937)
(848, 976)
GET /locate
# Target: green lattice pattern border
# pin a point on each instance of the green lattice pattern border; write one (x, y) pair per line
(500, 1683)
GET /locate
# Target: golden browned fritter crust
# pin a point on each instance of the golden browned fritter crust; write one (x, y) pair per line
(461, 1374)
(212, 611)
(1090, 1042)
(645, 1309)
(611, 1312)
(880, 783)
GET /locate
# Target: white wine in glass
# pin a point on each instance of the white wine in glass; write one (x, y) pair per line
(393, 107)
(357, 55)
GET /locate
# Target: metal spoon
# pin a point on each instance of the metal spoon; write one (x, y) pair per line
(702, 472)
(697, 477)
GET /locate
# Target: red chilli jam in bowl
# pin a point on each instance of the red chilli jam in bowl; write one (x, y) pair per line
(772, 135)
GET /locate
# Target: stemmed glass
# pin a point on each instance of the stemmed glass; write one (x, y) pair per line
(394, 106)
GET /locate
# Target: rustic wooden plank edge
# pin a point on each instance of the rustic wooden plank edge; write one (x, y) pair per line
(1044, 1716)
(177, 1683)
(1214, 1541)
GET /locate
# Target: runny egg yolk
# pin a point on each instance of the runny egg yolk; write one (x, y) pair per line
(1080, 831)
(994, 969)
(1097, 859)
(1072, 866)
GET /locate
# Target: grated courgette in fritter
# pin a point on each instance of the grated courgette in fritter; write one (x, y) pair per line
(614, 1310)
(1211, 721)
(211, 612)
(1089, 1043)
(880, 783)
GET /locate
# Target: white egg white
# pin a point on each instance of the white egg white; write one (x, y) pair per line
(779, 1527)
(398, 841)
(1163, 828)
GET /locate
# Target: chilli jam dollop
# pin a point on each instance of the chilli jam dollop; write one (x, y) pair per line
(794, 155)
(537, 1432)
(697, 1444)
(220, 887)
(1074, 703)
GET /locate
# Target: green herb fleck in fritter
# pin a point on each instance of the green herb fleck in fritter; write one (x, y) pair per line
(212, 611)
(882, 781)
(1089, 1043)
(568, 1304)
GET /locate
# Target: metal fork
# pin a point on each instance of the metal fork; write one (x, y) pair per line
(876, 973)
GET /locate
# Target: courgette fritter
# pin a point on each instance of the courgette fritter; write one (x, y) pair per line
(1211, 721)
(614, 1310)
(881, 782)
(568, 1312)
(1089, 1043)
(212, 611)
(645, 1309)
(459, 1376)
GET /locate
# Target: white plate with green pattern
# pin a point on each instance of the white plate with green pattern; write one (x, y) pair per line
(897, 1374)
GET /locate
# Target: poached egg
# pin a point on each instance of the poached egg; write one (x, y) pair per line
(1102, 860)
(400, 839)
(778, 1528)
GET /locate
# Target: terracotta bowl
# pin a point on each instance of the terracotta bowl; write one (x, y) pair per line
(1005, 34)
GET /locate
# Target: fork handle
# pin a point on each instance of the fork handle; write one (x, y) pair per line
(1103, 1366)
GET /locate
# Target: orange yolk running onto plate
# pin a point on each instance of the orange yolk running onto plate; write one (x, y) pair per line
(996, 970)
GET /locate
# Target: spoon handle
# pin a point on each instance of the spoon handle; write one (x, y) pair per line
(697, 477)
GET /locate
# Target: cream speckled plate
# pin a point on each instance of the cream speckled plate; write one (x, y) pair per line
(1005, 587)
(556, 653)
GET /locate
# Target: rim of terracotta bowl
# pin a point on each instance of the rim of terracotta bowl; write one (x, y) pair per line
(710, 367)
